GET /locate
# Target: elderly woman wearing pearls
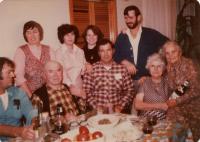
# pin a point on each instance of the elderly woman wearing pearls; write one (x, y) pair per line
(154, 92)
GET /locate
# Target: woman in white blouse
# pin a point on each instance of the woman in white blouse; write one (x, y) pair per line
(72, 58)
(31, 57)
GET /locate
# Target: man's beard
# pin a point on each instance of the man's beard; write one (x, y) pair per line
(131, 25)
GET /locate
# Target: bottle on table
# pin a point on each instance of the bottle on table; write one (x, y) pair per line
(59, 127)
(37, 121)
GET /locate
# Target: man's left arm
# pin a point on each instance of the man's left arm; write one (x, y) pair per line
(128, 90)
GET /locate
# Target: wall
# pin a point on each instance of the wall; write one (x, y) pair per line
(14, 13)
(157, 14)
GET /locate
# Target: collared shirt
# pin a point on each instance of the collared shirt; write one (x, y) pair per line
(104, 86)
(4, 99)
(61, 96)
(73, 62)
(134, 42)
(18, 106)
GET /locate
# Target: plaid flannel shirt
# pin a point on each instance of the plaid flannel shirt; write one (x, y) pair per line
(104, 86)
(62, 96)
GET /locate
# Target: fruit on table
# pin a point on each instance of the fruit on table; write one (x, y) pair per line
(65, 140)
(83, 137)
(97, 135)
(83, 130)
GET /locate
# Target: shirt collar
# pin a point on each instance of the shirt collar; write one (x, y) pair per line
(128, 31)
(66, 49)
(52, 89)
(112, 64)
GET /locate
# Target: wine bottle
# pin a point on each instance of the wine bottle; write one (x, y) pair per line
(180, 91)
(59, 127)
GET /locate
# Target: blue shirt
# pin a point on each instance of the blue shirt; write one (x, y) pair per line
(18, 106)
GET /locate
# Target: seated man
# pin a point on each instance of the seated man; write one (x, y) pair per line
(108, 86)
(54, 93)
(14, 104)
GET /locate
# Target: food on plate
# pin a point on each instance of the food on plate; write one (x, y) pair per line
(104, 121)
(65, 140)
(83, 130)
(96, 135)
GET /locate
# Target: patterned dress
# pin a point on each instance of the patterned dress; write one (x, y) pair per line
(154, 93)
(187, 111)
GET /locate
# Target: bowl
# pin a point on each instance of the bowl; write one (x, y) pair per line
(103, 121)
(72, 134)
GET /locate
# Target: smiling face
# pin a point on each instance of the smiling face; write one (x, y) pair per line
(172, 53)
(7, 75)
(106, 53)
(54, 73)
(33, 36)
(131, 20)
(91, 38)
(69, 39)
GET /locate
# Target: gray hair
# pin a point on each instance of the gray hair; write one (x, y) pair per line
(155, 57)
(52, 62)
(170, 43)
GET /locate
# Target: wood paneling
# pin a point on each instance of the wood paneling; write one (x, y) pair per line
(97, 12)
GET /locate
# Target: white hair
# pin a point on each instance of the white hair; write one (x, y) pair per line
(155, 57)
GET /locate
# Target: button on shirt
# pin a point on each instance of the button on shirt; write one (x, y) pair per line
(108, 85)
(134, 43)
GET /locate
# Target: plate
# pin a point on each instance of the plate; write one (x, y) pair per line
(103, 121)
(73, 133)
(127, 135)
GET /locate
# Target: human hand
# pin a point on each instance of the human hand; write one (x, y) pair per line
(118, 108)
(26, 132)
(171, 103)
(164, 106)
(88, 68)
(70, 117)
(141, 80)
(129, 66)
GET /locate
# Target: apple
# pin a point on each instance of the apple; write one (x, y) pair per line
(97, 134)
(65, 140)
(83, 137)
(83, 130)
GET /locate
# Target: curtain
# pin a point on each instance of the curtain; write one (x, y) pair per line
(160, 15)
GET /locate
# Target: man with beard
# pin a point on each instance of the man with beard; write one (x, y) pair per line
(134, 45)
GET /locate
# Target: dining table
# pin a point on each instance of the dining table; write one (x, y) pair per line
(129, 128)
(125, 130)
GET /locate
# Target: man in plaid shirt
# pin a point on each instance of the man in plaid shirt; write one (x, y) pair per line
(109, 84)
(54, 93)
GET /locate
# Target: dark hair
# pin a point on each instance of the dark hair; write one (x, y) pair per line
(3, 61)
(95, 30)
(105, 41)
(30, 25)
(132, 7)
(65, 29)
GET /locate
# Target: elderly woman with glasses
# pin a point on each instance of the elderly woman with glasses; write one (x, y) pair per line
(154, 92)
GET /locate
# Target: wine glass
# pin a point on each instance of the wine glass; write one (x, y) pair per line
(152, 120)
(147, 129)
